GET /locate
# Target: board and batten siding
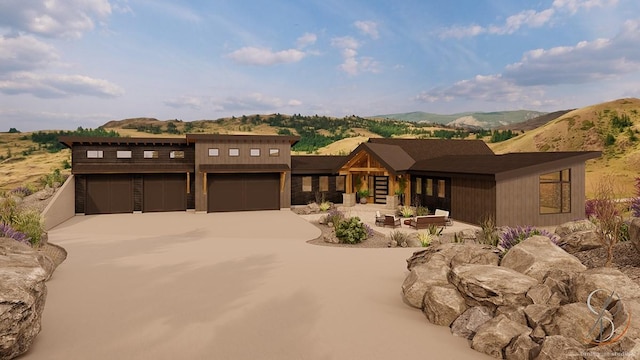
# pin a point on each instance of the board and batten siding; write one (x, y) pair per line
(472, 200)
(244, 158)
(518, 199)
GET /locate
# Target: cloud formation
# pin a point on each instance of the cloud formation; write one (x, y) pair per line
(369, 28)
(263, 56)
(57, 86)
(352, 64)
(24, 52)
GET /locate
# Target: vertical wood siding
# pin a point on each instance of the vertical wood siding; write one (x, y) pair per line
(472, 199)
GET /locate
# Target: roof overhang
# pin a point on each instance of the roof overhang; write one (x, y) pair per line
(243, 168)
(70, 141)
(193, 138)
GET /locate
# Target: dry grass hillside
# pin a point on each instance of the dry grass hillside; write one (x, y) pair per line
(611, 127)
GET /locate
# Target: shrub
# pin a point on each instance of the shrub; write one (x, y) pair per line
(406, 211)
(425, 238)
(351, 231)
(8, 210)
(513, 236)
(399, 237)
(324, 206)
(489, 232)
(55, 178)
(30, 223)
(435, 230)
(422, 210)
(21, 191)
(7, 231)
(635, 202)
(335, 217)
(368, 229)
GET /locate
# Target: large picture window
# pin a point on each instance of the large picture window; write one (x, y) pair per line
(340, 182)
(324, 183)
(306, 184)
(555, 192)
(442, 189)
(429, 187)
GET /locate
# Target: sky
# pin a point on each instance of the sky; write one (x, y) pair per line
(70, 63)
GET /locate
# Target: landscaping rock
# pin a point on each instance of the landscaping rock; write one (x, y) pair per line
(494, 335)
(559, 282)
(580, 241)
(462, 253)
(515, 313)
(560, 348)
(538, 314)
(521, 348)
(573, 321)
(443, 304)
(537, 255)
(413, 242)
(468, 322)
(539, 294)
(607, 279)
(420, 277)
(491, 285)
(22, 297)
(574, 226)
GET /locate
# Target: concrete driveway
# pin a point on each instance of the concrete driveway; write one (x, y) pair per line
(228, 286)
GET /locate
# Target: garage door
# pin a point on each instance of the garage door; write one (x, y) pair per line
(109, 194)
(164, 192)
(241, 192)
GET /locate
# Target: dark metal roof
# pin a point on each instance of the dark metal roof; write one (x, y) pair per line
(420, 149)
(69, 141)
(223, 137)
(133, 168)
(392, 156)
(500, 165)
(316, 164)
(243, 168)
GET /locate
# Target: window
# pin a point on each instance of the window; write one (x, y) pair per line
(306, 184)
(176, 154)
(254, 152)
(214, 152)
(340, 183)
(234, 152)
(150, 154)
(274, 152)
(418, 186)
(123, 154)
(95, 154)
(324, 183)
(442, 189)
(429, 187)
(555, 192)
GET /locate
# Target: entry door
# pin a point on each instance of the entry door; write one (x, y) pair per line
(381, 189)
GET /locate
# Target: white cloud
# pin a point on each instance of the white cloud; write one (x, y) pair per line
(294, 102)
(369, 28)
(68, 18)
(264, 56)
(57, 86)
(192, 102)
(345, 42)
(351, 63)
(24, 52)
(306, 39)
(528, 18)
(253, 101)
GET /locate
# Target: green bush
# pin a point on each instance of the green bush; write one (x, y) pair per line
(351, 231)
(30, 223)
(399, 237)
(406, 211)
(422, 210)
(8, 210)
(425, 238)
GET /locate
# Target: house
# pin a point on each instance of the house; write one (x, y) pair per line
(213, 173)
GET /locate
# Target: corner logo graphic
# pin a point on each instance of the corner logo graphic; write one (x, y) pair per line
(610, 312)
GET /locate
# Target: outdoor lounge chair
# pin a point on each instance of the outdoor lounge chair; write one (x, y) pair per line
(379, 219)
(423, 222)
(445, 213)
(392, 220)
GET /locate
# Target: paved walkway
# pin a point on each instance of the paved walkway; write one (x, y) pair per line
(228, 286)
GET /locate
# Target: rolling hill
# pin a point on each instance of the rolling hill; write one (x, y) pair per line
(472, 120)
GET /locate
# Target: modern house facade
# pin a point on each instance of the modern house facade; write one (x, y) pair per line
(212, 173)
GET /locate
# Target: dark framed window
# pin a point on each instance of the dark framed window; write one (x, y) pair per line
(442, 189)
(95, 154)
(306, 184)
(418, 186)
(429, 187)
(214, 152)
(177, 154)
(555, 192)
(340, 182)
(324, 183)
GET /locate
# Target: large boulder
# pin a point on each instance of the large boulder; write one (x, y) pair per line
(22, 297)
(455, 254)
(443, 304)
(522, 348)
(494, 335)
(560, 348)
(574, 321)
(468, 322)
(537, 255)
(581, 241)
(492, 285)
(606, 279)
(634, 233)
(422, 276)
(571, 227)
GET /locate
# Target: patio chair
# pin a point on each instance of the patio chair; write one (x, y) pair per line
(445, 213)
(379, 219)
(392, 220)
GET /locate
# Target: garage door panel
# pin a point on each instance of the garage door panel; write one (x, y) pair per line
(109, 194)
(164, 192)
(241, 192)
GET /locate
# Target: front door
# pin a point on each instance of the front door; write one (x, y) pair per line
(380, 189)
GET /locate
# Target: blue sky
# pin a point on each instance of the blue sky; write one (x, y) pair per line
(70, 63)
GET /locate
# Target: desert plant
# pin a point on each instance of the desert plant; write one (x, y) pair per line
(351, 231)
(635, 202)
(406, 211)
(334, 217)
(30, 223)
(489, 233)
(21, 191)
(435, 230)
(510, 237)
(368, 229)
(9, 232)
(607, 216)
(324, 206)
(399, 237)
(422, 210)
(425, 238)
(458, 239)
(8, 210)
(55, 178)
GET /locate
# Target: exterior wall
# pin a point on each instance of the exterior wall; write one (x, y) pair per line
(518, 200)
(244, 158)
(472, 199)
(61, 207)
(109, 159)
(299, 197)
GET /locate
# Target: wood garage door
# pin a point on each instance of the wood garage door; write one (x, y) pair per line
(109, 194)
(164, 192)
(241, 192)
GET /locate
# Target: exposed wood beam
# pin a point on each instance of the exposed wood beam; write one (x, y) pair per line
(367, 169)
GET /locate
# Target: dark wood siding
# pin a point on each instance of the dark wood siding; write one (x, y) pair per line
(299, 197)
(243, 192)
(434, 201)
(472, 200)
(109, 194)
(81, 193)
(164, 192)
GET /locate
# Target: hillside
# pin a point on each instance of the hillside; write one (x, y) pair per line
(534, 123)
(612, 127)
(470, 120)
